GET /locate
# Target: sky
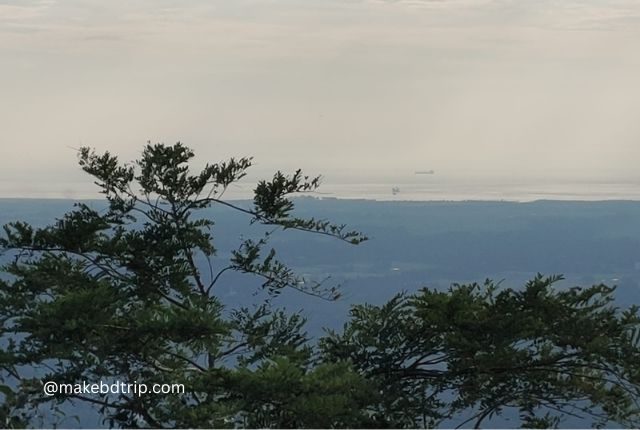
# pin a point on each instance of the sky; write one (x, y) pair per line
(356, 90)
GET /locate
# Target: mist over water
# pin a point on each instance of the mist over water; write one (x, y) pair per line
(486, 190)
(419, 188)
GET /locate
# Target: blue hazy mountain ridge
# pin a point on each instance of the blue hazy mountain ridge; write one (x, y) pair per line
(418, 244)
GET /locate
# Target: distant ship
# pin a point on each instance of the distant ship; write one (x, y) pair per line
(425, 172)
(395, 190)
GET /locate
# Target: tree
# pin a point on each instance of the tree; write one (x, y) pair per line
(119, 294)
(128, 293)
(476, 351)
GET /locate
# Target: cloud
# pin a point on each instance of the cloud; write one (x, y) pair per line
(18, 12)
(459, 82)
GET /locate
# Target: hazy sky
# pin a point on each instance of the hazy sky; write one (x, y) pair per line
(346, 88)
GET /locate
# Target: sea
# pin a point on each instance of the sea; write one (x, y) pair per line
(431, 188)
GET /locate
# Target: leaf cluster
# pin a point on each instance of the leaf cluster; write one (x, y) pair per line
(128, 293)
(478, 350)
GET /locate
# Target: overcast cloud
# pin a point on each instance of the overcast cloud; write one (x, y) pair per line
(350, 89)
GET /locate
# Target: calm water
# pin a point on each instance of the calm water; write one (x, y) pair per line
(419, 189)
(485, 191)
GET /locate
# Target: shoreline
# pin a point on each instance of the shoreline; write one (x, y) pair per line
(362, 199)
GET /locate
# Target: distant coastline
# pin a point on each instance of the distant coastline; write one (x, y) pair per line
(431, 190)
(351, 200)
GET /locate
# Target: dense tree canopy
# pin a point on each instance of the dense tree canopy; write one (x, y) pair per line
(476, 351)
(121, 293)
(128, 292)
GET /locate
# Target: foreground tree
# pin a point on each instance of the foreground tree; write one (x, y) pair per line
(476, 351)
(119, 294)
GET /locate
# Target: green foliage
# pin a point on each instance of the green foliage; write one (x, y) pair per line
(119, 295)
(538, 350)
(329, 395)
